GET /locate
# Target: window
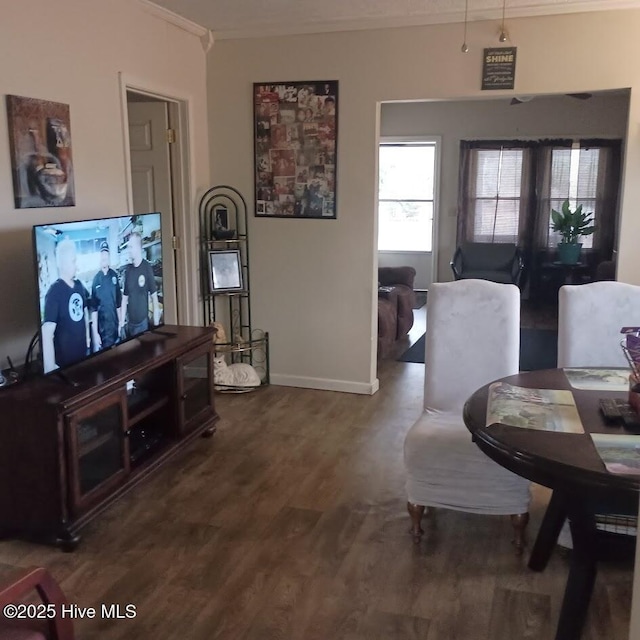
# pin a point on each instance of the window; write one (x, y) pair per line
(496, 206)
(508, 188)
(574, 176)
(406, 196)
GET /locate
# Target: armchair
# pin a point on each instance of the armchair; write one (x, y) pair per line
(401, 279)
(396, 300)
(497, 262)
(19, 586)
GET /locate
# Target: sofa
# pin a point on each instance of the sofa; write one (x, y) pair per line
(497, 262)
(396, 299)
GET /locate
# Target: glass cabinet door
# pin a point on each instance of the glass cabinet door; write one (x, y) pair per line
(195, 386)
(98, 449)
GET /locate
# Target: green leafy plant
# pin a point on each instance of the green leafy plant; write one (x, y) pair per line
(571, 225)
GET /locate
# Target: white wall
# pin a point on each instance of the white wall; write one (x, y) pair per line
(72, 52)
(313, 281)
(604, 115)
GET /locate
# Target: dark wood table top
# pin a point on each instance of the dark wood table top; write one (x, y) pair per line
(567, 461)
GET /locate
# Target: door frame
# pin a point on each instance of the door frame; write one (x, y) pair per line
(421, 138)
(183, 185)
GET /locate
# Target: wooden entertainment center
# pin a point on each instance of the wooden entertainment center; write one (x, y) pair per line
(68, 448)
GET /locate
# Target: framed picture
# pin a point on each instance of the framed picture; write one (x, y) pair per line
(295, 149)
(40, 144)
(225, 271)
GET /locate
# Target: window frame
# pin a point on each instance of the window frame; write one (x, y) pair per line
(500, 148)
(414, 140)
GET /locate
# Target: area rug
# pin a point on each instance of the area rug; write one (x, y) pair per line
(538, 350)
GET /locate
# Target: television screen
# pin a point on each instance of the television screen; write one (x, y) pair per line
(99, 284)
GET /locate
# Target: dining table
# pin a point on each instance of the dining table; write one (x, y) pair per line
(569, 464)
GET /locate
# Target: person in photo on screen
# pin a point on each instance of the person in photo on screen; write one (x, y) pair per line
(139, 285)
(65, 327)
(106, 303)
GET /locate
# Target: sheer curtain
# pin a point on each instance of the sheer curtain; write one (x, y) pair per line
(586, 173)
(495, 185)
(508, 188)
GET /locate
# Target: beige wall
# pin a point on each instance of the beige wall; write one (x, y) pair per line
(72, 52)
(313, 284)
(604, 115)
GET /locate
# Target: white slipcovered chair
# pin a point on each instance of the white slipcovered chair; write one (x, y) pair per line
(473, 338)
(590, 317)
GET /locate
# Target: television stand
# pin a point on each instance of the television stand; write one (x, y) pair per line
(63, 377)
(160, 331)
(69, 451)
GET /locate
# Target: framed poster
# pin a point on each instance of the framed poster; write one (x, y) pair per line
(225, 271)
(40, 144)
(295, 145)
(499, 68)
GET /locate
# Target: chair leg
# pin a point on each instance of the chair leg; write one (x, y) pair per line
(519, 522)
(416, 511)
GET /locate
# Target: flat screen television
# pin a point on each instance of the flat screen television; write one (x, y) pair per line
(99, 284)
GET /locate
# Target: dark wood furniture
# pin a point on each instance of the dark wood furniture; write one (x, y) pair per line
(548, 275)
(18, 584)
(570, 465)
(69, 448)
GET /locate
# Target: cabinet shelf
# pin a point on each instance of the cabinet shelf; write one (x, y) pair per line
(230, 347)
(226, 294)
(146, 408)
(93, 444)
(233, 241)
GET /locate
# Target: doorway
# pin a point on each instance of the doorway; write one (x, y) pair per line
(158, 179)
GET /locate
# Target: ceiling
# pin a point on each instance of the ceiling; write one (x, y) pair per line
(255, 18)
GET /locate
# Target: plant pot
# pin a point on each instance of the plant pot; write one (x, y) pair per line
(569, 253)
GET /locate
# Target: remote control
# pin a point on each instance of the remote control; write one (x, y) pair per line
(611, 411)
(630, 419)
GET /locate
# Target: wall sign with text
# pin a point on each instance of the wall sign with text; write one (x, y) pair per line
(499, 68)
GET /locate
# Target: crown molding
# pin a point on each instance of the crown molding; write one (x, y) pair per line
(415, 20)
(173, 18)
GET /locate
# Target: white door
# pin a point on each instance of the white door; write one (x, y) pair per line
(151, 184)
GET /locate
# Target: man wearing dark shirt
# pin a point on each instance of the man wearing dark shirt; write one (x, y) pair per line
(139, 284)
(106, 302)
(65, 329)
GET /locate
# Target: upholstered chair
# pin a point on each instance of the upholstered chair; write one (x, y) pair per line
(473, 338)
(590, 317)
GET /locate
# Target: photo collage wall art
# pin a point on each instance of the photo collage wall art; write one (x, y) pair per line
(296, 134)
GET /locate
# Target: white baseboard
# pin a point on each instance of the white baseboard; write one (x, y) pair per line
(324, 384)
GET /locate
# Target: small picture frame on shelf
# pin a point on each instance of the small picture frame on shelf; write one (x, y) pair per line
(220, 225)
(225, 271)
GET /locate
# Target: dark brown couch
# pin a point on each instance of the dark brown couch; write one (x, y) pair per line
(396, 299)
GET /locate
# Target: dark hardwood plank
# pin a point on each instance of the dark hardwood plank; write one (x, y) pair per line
(290, 524)
(516, 615)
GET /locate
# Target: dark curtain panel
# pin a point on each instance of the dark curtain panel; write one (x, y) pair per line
(607, 190)
(551, 189)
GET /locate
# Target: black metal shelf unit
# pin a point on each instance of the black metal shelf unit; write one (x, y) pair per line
(223, 226)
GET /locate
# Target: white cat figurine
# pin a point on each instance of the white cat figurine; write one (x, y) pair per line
(234, 375)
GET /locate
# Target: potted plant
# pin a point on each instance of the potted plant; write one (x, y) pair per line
(571, 225)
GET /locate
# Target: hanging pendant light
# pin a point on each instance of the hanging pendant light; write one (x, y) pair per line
(503, 37)
(464, 48)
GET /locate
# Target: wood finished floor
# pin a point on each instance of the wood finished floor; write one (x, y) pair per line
(290, 523)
